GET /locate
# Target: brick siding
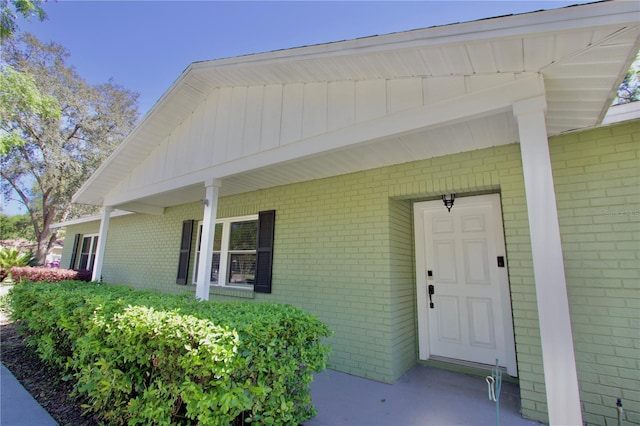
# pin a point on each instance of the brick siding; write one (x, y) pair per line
(344, 251)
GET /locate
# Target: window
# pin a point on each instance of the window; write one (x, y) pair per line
(87, 255)
(234, 252)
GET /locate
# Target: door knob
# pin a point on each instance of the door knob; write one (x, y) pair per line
(431, 290)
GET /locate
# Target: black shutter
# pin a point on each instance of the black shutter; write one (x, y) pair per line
(185, 252)
(264, 251)
(74, 252)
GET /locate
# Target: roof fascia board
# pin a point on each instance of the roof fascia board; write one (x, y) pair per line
(569, 18)
(138, 207)
(86, 219)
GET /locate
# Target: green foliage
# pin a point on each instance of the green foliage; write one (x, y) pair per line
(20, 96)
(5, 305)
(9, 10)
(147, 358)
(58, 129)
(10, 257)
(17, 226)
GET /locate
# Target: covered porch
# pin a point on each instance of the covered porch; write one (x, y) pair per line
(423, 396)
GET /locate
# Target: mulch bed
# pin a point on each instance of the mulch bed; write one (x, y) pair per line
(43, 383)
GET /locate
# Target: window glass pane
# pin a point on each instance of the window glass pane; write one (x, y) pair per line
(84, 258)
(242, 268)
(85, 251)
(94, 248)
(215, 267)
(243, 235)
(86, 244)
(217, 238)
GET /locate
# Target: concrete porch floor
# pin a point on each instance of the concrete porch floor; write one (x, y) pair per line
(422, 396)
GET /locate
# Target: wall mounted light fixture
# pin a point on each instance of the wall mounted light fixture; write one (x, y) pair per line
(448, 202)
(204, 202)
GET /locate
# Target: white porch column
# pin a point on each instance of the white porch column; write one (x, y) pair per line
(206, 241)
(102, 243)
(563, 399)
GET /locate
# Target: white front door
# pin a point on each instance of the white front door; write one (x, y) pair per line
(461, 261)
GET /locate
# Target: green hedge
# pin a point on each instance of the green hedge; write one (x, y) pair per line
(148, 358)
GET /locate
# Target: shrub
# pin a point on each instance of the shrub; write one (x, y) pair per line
(11, 257)
(50, 275)
(143, 357)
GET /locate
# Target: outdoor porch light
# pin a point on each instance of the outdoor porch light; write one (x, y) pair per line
(448, 202)
(204, 202)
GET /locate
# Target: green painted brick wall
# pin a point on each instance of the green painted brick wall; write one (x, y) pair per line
(597, 180)
(344, 251)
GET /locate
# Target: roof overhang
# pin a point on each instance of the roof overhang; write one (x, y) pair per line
(581, 53)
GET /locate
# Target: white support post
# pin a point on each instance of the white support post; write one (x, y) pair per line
(206, 241)
(563, 398)
(102, 243)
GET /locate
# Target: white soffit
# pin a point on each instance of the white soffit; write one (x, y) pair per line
(582, 52)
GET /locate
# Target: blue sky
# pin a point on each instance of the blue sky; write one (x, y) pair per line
(145, 45)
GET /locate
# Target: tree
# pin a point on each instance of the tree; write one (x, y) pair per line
(19, 96)
(18, 226)
(629, 90)
(9, 10)
(56, 154)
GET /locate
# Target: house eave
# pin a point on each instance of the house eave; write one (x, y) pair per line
(335, 59)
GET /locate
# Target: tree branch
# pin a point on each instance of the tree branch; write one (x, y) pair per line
(73, 133)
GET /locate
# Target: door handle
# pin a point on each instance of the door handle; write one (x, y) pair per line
(431, 290)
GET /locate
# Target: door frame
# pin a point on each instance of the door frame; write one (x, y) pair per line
(503, 275)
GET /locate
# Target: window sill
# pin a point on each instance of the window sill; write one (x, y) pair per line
(232, 292)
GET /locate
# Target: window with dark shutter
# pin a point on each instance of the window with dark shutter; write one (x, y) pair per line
(74, 252)
(264, 251)
(185, 252)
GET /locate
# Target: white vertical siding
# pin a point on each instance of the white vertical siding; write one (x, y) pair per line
(314, 111)
(234, 122)
(184, 146)
(403, 94)
(210, 111)
(341, 110)
(292, 103)
(198, 161)
(440, 89)
(237, 122)
(476, 84)
(371, 99)
(172, 153)
(271, 117)
(156, 161)
(253, 120)
(221, 128)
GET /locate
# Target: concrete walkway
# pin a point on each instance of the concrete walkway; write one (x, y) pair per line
(17, 406)
(423, 396)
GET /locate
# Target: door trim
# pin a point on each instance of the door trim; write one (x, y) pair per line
(421, 279)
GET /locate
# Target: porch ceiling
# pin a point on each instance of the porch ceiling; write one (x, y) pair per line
(582, 52)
